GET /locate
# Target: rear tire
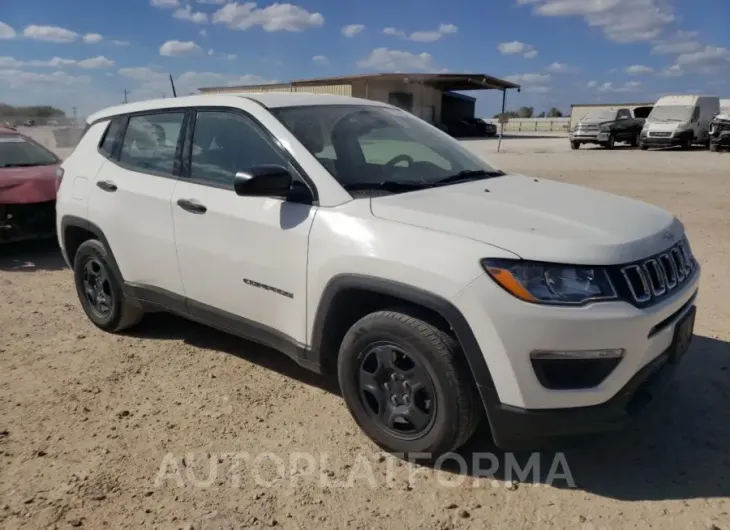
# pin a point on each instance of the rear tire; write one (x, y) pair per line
(634, 142)
(373, 374)
(100, 290)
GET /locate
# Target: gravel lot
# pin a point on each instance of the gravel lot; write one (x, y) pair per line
(90, 421)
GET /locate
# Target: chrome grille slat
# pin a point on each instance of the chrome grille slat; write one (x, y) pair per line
(660, 274)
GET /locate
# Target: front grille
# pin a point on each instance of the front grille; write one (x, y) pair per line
(660, 134)
(581, 127)
(660, 275)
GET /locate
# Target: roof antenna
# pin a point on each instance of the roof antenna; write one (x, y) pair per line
(172, 83)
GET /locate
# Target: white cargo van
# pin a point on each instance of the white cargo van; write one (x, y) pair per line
(679, 120)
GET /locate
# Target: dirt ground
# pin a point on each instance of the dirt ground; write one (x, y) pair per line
(177, 426)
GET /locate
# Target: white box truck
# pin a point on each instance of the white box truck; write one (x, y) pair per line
(680, 121)
(725, 106)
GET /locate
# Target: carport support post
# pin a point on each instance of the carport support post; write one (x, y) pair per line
(501, 124)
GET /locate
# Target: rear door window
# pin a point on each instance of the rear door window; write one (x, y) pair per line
(150, 143)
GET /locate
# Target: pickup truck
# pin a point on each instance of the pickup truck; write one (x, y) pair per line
(607, 126)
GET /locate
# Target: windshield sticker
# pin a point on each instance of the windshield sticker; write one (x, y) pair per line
(12, 140)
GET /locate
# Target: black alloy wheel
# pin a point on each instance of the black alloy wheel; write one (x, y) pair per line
(97, 287)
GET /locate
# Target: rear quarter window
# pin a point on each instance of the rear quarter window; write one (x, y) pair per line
(112, 137)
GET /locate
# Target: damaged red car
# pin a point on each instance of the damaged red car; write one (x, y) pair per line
(28, 185)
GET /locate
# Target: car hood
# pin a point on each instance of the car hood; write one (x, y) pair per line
(538, 219)
(24, 185)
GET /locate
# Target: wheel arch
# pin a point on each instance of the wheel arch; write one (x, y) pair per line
(325, 333)
(74, 231)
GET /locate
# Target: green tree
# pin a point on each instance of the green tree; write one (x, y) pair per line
(554, 113)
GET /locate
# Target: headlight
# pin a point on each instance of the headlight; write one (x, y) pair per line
(545, 283)
(605, 128)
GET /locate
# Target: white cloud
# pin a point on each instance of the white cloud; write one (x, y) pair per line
(592, 84)
(639, 69)
(10, 62)
(538, 89)
(320, 59)
(213, 2)
(176, 48)
(230, 57)
(423, 36)
(352, 29)
(276, 17)
(6, 32)
(165, 4)
(678, 43)
(21, 79)
(711, 59)
(95, 62)
(396, 60)
(56, 62)
(621, 20)
(60, 62)
(121, 42)
(561, 68)
(631, 86)
(516, 47)
(203, 32)
(50, 34)
(186, 13)
(529, 79)
(673, 71)
(92, 38)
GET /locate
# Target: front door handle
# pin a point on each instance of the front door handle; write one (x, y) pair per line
(190, 205)
(107, 185)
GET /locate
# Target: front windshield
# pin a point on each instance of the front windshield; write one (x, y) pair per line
(671, 113)
(17, 151)
(368, 144)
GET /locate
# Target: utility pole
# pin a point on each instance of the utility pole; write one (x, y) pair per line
(125, 95)
(172, 84)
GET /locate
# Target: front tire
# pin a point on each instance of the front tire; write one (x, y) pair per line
(714, 148)
(407, 385)
(611, 142)
(575, 145)
(100, 290)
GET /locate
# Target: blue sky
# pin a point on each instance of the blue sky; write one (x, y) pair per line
(84, 53)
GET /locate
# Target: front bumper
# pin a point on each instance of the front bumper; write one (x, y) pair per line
(517, 427)
(507, 330)
(722, 139)
(587, 137)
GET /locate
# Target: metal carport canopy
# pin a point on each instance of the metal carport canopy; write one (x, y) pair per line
(445, 82)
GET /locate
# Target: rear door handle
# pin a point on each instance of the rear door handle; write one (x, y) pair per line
(107, 185)
(190, 205)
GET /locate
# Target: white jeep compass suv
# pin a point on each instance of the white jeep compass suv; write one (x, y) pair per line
(358, 239)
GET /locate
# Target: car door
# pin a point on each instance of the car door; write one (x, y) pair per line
(624, 125)
(130, 200)
(243, 260)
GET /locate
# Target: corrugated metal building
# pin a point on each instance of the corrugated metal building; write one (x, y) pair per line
(577, 111)
(428, 96)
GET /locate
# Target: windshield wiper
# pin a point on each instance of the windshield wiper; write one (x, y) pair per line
(388, 185)
(468, 174)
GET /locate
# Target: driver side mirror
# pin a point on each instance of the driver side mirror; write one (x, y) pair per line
(270, 181)
(263, 181)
